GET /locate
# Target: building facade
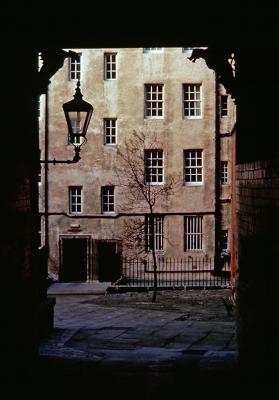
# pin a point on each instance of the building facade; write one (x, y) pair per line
(156, 93)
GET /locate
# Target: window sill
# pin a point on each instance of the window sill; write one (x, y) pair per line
(193, 184)
(154, 184)
(150, 118)
(108, 213)
(193, 252)
(187, 118)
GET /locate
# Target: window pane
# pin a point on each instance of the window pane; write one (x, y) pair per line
(110, 66)
(75, 200)
(193, 169)
(75, 68)
(193, 233)
(154, 166)
(153, 100)
(107, 193)
(191, 101)
(157, 240)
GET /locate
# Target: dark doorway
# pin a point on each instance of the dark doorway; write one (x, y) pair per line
(109, 261)
(73, 260)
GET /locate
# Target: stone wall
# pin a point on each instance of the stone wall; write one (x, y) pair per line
(123, 99)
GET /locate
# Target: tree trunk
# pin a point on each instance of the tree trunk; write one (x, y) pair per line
(155, 276)
(152, 245)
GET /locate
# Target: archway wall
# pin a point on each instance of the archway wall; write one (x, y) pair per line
(257, 213)
(258, 254)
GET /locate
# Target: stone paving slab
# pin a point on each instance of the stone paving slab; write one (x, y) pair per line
(186, 328)
(78, 288)
(122, 345)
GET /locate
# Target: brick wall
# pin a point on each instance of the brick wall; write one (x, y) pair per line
(257, 207)
(258, 196)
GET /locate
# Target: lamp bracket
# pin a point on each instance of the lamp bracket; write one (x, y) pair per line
(75, 159)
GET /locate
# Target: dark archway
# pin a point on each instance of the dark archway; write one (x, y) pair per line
(257, 162)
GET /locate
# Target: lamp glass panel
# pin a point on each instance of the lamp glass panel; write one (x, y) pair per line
(77, 119)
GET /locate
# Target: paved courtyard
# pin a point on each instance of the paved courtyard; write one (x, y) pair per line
(180, 321)
(126, 337)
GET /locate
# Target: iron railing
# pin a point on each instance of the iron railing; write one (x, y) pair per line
(173, 272)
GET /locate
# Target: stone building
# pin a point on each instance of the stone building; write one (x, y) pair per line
(156, 92)
(26, 31)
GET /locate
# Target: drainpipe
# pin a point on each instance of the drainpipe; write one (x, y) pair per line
(217, 178)
(46, 175)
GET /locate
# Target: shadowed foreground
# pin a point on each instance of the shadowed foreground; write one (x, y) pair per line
(123, 345)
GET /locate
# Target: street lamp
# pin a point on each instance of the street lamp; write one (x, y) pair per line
(78, 114)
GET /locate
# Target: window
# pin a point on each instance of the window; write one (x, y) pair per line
(153, 101)
(153, 49)
(154, 167)
(193, 168)
(107, 199)
(187, 49)
(77, 140)
(40, 169)
(110, 66)
(40, 174)
(190, 49)
(224, 105)
(41, 231)
(110, 131)
(224, 173)
(39, 106)
(75, 199)
(74, 68)
(192, 233)
(192, 100)
(224, 240)
(157, 233)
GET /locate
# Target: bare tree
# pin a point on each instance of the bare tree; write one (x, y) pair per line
(141, 173)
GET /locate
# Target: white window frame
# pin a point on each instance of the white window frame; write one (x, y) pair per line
(39, 176)
(39, 107)
(158, 221)
(224, 169)
(153, 101)
(75, 199)
(110, 131)
(41, 231)
(152, 168)
(193, 233)
(187, 49)
(110, 69)
(224, 245)
(190, 49)
(193, 163)
(192, 100)
(153, 49)
(224, 105)
(108, 199)
(75, 68)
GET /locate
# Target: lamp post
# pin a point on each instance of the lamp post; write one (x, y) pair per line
(78, 114)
